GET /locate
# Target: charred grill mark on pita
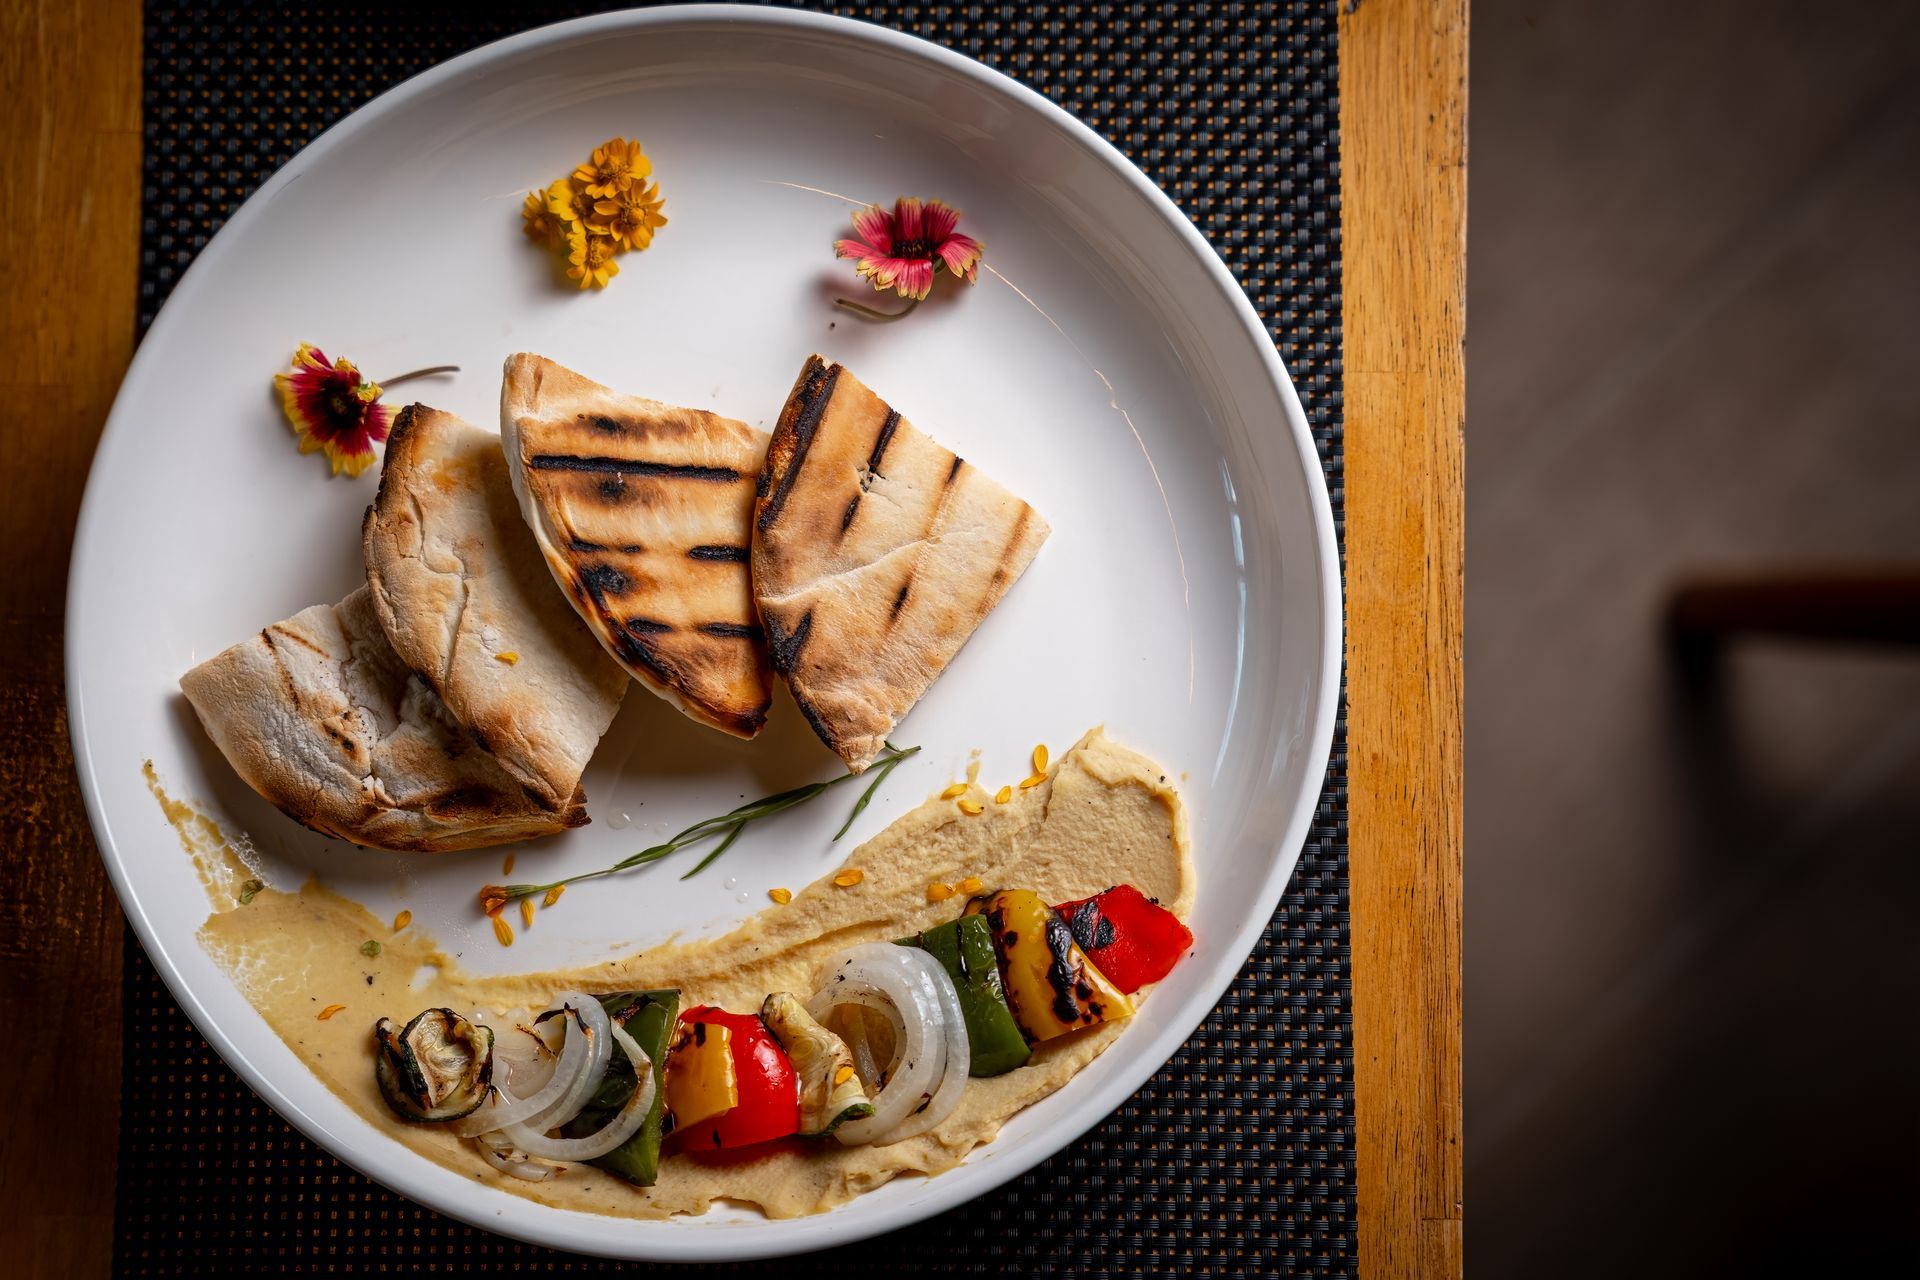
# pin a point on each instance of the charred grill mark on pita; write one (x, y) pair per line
(581, 544)
(601, 422)
(954, 470)
(901, 599)
(784, 646)
(624, 467)
(647, 626)
(807, 408)
(888, 426)
(731, 555)
(852, 507)
(730, 630)
(603, 580)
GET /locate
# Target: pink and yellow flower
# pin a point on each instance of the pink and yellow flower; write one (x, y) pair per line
(902, 250)
(333, 409)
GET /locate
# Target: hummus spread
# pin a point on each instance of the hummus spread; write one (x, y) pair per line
(1105, 815)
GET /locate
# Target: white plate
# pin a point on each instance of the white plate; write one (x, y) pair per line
(1188, 598)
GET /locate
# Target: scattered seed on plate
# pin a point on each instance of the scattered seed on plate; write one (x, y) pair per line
(957, 789)
(509, 657)
(526, 913)
(971, 885)
(503, 931)
(939, 892)
(781, 896)
(1040, 759)
(850, 877)
(1003, 795)
(402, 920)
(972, 808)
(506, 868)
(553, 895)
(843, 1075)
(330, 1010)
(1034, 781)
(369, 948)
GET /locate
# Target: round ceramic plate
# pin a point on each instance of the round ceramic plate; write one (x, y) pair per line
(1107, 369)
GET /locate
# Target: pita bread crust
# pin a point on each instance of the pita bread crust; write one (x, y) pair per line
(643, 510)
(458, 582)
(320, 716)
(876, 553)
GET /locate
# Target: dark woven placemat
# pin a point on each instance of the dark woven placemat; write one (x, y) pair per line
(1234, 1160)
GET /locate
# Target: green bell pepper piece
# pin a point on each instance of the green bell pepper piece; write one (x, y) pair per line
(964, 948)
(648, 1017)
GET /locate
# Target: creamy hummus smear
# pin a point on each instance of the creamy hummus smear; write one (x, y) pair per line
(1105, 815)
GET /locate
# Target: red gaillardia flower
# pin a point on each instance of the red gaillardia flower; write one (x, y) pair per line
(904, 249)
(333, 409)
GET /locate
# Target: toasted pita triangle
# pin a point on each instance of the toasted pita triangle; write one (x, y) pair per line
(643, 511)
(320, 716)
(466, 601)
(876, 553)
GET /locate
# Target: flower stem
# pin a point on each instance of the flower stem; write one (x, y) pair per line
(728, 826)
(411, 374)
(862, 309)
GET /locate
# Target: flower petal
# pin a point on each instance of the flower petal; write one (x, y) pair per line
(939, 220)
(915, 279)
(908, 222)
(961, 254)
(856, 249)
(875, 226)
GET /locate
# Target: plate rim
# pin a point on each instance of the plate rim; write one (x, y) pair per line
(546, 1225)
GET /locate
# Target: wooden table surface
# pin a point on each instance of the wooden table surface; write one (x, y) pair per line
(69, 238)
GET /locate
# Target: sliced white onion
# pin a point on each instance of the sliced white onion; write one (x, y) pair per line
(885, 977)
(625, 1123)
(506, 1108)
(513, 1162)
(959, 1054)
(525, 1053)
(593, 1022)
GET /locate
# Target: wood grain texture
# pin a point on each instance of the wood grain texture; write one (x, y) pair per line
(1403, 100)
(69, 236)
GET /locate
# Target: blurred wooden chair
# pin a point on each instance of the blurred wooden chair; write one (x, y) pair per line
(1868, 606)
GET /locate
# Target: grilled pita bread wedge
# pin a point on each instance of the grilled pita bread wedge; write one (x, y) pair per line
(876, 553)
(643, 510)
(465, 599)
(320, 716)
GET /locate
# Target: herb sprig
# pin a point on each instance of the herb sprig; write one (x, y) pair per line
(726, 826)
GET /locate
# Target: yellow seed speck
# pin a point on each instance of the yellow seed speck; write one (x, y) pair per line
(553, 895)
(972, 808)
(850, 877)
(503, 931)
(1003, 795)
(402, 920)
(506, 868)
(1040, 759)
(509, 657)
(330, 1010)
(1034, 781)
(781, 896)
(843, 1075)
(970, 886)
(939, 892)
(957, 789)
(526, 912)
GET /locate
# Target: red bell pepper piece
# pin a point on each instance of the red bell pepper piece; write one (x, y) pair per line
(1128, 936)
(769, 1105)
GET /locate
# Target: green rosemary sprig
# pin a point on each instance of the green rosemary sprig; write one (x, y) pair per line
(727, 827)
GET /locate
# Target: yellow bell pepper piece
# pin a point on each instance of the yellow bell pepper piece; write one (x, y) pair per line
(1052, 987)
(700, 1079)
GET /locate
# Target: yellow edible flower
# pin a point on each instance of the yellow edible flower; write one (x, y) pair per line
(540, 223)
(631, 216)
(615, 166)
(590, 257)
(570, 205)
